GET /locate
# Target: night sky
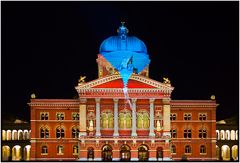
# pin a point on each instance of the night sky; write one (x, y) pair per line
(46, 46)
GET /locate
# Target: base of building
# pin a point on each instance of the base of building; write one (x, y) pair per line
(152, 159)
(97, 159)
(167, 159)
(116, 159)
(134, 159)
(82, 159)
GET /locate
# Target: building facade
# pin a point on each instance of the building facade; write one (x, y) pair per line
(15, 140)
(111, 122)
(227, 140)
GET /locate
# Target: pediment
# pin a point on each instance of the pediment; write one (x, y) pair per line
(113, 85)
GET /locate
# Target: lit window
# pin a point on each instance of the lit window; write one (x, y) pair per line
(187, 116)
(75, 132)
(202, 133)
(173, 116)
(60, 116)
(75, 116)
(60, 133)
(44, 149)
(173, 133)
(202, 149)
(187, 133)
(60, 149)
(173, 149)
(75, 149)
(188, 149)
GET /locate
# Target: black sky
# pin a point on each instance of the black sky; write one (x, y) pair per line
(46, 46)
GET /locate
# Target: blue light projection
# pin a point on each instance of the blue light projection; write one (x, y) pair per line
(127, 54)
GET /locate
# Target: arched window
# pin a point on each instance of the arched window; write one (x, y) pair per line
(187, 133)
(25, 134)
(75, 116)
(173, 116)
(188, 149)
(227, 135)
(173, 149)
(217, 152)
(42, 116)
(27, 152)
(160, 153)
(143, 153)
(9, 134)
(202, 133)
(44, 133)
(232, 135)
(60, 132)
(142, 120)
(14, 135)
(235, 152)
(217, 135)
(222, 135)
(75, 132)
(20, 135)
(202, 149)
(16, 153)
(5, 153)
(173, 133)
(60, 150)
(225, 153)
(44, 149)
(60, 116)
(107, 119)
(124, 120)
(125, 153)
(236, 134)
(4, 135)
(75, 149)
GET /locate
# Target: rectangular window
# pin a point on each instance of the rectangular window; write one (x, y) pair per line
(187, 116)
(202, 116)
(60, 116)
(75, 116)
(44, 115)
(187, 133)
(173, 116)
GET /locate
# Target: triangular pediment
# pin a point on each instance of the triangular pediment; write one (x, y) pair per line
(136, 84)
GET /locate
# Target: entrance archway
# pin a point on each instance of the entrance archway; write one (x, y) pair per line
(235, 152)
(27, 149)
(160, 154)
(107, 153)
(16, 153)
(90, 153)
(125, 153)
(5, 153)
(143, 153)
(225, 153)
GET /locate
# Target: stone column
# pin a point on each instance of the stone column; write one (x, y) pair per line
(151, 132)
(134, 130)
(115, 117)
(98, 133)
(166, 117)
(83, 117)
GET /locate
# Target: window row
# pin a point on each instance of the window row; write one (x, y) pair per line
(187, 133)
(227, 135)
(60, 132)
(188, 149)
(188, 116)
(16, 134)
(60, 150)
(59, 116)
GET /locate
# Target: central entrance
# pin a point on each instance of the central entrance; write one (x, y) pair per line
(107, 153)
(125, 153)
(143, 153)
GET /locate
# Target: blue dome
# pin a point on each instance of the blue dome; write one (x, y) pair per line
(116, 43)
(125, 53)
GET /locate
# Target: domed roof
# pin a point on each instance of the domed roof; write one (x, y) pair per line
(122, 42)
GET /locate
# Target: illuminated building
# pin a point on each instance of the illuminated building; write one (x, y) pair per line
(108, 123)
(15, 140)
(227, 140)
